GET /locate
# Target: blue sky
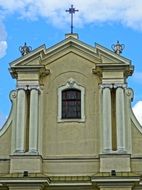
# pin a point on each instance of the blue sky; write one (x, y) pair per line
(40, 22)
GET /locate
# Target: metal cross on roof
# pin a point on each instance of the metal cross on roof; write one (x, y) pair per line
(72, 11)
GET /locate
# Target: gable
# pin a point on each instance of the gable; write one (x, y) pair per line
(43, 55)
(30, 59)
(40, 58)
(108, 56)
(71, 47)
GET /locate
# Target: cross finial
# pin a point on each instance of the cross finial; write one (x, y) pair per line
(72, 11)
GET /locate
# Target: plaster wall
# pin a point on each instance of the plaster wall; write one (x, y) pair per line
(70, 139)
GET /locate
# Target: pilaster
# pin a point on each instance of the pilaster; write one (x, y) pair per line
(21, 120)
(120, 119)
(34, 119)
(107, 126)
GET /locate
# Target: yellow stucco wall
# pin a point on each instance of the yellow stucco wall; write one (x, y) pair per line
(5, 144)
(71, 138)
(5, 151)
(136, 141)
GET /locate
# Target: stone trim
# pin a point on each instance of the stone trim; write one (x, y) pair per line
(71, 83)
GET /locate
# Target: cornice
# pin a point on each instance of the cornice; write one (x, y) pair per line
(125, 68)
(29, 69)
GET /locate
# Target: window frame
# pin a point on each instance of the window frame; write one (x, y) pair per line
(71, 84)
(71, 100)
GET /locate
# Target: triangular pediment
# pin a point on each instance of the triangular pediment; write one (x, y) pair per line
(71, 45)
(31, 59)
(109, 57)
(43, 56)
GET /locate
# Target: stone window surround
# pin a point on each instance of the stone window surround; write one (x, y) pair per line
(71, 83)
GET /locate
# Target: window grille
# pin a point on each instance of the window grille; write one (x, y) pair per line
(71, 104)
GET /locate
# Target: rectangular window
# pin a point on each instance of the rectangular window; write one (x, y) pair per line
(71, 104)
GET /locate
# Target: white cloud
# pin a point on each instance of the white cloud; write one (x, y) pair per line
(3, 42)
(127, 12)
(3, 48)
(137, 109)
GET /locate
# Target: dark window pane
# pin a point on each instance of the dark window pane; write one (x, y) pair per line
(71, 104)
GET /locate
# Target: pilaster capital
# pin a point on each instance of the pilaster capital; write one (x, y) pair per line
(22, 87)
(34, 87)
(28, 87)
(115, 85)
(119, 85)
(103, 86)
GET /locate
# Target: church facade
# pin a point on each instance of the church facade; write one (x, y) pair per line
(71, 124)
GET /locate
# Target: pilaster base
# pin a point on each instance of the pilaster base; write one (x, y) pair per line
(118, 182)
(25, 187)
(115, 188)
(29, 163)
(117, 162)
